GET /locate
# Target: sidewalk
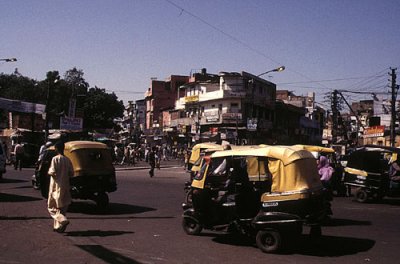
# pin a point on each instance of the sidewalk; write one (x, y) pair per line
(141, 165)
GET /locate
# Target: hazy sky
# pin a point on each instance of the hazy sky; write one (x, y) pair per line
(121, 44)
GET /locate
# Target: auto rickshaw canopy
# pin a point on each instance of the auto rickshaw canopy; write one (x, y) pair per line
(314, 148)
(198, 148)
(88, 157)
(371, 159)
(290, 168)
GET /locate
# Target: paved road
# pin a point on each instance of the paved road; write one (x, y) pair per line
(142, 225)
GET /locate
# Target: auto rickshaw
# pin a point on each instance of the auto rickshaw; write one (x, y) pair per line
(336, 183)
(195, 162)
(367, 170)
(94, 173)
(197, 152)
(265, 192)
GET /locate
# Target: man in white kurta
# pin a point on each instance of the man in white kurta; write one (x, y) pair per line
(59, 190)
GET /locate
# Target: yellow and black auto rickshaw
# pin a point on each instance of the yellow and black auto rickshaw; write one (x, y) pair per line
(368, 171)
(195, 162)
(337, 186)
(197, 153)
(94, 173)
(267, 192)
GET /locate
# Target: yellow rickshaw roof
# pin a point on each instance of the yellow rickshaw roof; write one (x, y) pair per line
(313, 148)
(287, 154)
(206, 146)
(196, 150)
(74, 145)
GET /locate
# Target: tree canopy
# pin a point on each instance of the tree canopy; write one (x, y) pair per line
(97, 107)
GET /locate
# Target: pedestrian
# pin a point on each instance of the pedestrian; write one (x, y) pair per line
(152, 157)
(158, 157)
(394, 173)
(126, 155)
(59, 189)
(164, 154)
(19, 155)
(325, 171)
(5, 148)
(132, 155)
(43, 149)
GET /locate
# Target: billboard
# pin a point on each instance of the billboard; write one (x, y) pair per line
(20, 106)
(71, 123)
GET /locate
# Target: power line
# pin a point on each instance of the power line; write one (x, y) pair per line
(332, 80)
(182, 10)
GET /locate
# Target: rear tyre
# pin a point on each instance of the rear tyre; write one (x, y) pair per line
(315, 231)
(102, 200)
(269, 241)
(188, 197)
(191, 226)
(361, 196)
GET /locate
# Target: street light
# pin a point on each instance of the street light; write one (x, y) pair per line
(9, 60)
(46, 110)
(279, 69)
(254, 120)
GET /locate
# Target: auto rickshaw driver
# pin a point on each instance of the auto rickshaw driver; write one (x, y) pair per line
(394, 172)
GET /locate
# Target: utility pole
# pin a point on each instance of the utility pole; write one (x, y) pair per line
(334, 107)
(393, 108)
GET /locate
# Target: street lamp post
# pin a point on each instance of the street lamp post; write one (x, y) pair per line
(279, 69)
(9, 60)
(46, 128)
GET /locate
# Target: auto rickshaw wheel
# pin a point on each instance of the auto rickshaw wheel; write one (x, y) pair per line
(315, 231)
(361, 195)
(191, 226)
(269, 240)
(189, 196)
(102, 200)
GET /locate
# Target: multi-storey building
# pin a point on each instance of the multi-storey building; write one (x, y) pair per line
(310, 122)
(161, 95)
(229, 106)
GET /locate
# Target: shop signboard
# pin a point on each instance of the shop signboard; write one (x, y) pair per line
(374, 131)
(252, 124)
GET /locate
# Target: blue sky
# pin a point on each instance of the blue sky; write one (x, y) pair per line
(121, 44)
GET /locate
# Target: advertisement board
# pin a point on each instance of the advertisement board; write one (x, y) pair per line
(71, 123)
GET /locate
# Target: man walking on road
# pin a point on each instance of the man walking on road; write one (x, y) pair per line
(19, 154)
(152, 160)
(59, 190)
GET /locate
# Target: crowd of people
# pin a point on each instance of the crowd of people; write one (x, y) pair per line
(131, 154)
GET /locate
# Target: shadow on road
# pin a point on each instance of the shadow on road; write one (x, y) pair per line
(332, 246)
(98, 233)
(106, 255)
(112, 209)
(24, 187)
(326, 246)
(5, 180)
(5, 197)
(390, 201)
(345, 222)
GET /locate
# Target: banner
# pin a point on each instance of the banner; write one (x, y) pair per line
(71, 123)
(20, 106)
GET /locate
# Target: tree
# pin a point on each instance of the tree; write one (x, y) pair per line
(18, 87)
(74, 79)
(101, 108)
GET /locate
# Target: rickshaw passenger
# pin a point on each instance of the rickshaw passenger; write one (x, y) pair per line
(325, 171)
(394, 173)
(238, 189)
